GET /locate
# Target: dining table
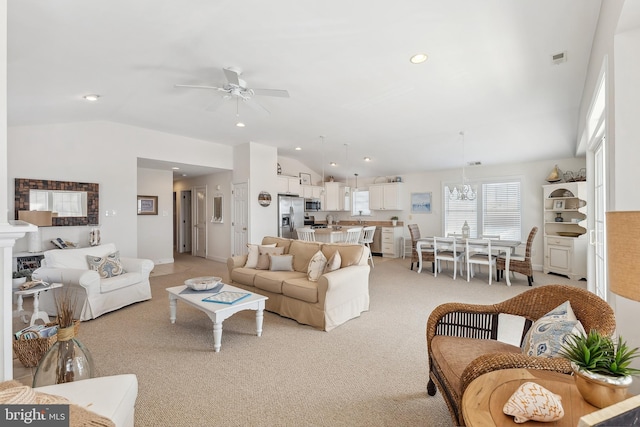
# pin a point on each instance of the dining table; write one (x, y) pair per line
(504, 246)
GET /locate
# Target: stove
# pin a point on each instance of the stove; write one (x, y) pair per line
(311, 222)
(319, 226)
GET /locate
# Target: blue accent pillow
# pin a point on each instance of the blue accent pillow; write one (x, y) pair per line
(548, 334)
(108, 266)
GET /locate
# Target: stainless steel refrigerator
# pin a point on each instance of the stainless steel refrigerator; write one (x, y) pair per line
(290, 215)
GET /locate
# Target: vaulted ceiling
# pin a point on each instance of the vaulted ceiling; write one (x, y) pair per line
(345, 65)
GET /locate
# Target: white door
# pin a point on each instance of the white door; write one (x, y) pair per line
(184, 240)
(200, 222)
(598, 240)
(240, 218)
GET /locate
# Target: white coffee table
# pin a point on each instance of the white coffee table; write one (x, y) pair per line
(217, 312)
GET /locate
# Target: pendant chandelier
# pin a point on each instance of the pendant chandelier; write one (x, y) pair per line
(462, 191)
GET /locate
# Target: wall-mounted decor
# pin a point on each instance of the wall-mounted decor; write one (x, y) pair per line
(264, 198)
(305, 178)
(421, 203)
(217, 209)
(147, 205)
(47, 191)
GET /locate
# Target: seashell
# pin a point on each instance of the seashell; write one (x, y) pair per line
(533, 402)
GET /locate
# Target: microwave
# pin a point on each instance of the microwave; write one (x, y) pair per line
(312, 205)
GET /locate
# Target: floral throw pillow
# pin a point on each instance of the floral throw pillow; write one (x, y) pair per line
(334, 262)
(108, 266)
(316, 266)
(548, 334)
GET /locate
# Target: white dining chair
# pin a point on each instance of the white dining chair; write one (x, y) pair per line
(478, 252)
(447, 249)
(306, 234)
(366, 238)
(353, 235)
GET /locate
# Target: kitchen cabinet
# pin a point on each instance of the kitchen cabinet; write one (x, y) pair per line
(289, 185)
(337, 197)
(385, 196)
(311, 191)
(565, 239)
(391, 242)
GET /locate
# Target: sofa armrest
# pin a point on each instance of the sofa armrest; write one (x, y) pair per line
(334, 286)
(236, 262)
(496, 361)
(139, 265)
(88, 279)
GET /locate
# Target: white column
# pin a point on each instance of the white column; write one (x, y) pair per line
(8, 236)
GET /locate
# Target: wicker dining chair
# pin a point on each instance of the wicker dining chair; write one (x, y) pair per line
(427, 254)
(519, 263)
(462, 338)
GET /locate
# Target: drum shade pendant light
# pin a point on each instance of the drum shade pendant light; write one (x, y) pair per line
(463, 191)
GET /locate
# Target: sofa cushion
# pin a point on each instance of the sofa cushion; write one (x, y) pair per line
(244, 275)
(301, 289)
(333, 263)
(547, 334)
(303, 251)
(454, 354)
(316, 266)
(281, 262)
(118, 282)
(350, 254)
(263, 259)
(280, 242)
(253, 254)
(272, 280)
(76, 258)
(106, 267)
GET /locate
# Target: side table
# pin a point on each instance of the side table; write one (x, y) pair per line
(35, 291)
(485, 397)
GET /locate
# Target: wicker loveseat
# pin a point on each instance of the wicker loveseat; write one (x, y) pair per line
(462, 338)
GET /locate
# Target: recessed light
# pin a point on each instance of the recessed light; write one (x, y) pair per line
(92, 97)
(240, 124)
(175, 168)
(418, 58)
(367, 159)
(184, 174)
(298, 148)
(333, 164)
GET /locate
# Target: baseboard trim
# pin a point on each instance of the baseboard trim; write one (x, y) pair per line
(164, 261)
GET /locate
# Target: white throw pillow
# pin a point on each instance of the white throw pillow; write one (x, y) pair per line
(550, 332)
(334, 262)
(280, 262)
(263, 259)
(254, 253)
(316, 266)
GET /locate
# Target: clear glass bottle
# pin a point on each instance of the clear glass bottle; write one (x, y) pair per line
(465, 230)
(67, 360)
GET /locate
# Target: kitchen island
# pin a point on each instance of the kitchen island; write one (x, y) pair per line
(330, 235)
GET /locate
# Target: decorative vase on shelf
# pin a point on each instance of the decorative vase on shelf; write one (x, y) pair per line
(94, 236)
(559, 217)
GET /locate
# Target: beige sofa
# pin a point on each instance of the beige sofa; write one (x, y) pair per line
(336, 297)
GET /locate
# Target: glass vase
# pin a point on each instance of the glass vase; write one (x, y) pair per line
(67, 360)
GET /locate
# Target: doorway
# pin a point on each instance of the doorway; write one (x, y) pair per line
(200, 223)
(184, 234)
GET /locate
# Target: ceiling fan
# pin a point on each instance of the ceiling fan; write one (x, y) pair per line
(237, 88)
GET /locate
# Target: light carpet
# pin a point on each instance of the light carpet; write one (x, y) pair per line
(370, 371)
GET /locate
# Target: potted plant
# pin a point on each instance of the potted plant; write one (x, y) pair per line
(601, 367)
(394, 220)
(20, 277)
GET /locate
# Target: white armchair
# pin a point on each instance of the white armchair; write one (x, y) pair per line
(96, 295)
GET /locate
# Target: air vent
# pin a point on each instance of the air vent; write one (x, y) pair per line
(476, 163)
(559, 58)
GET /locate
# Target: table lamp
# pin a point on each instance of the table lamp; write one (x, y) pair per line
(623, 253)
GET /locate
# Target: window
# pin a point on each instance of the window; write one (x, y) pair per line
(360, 204)
(496, 210)
(64, 203)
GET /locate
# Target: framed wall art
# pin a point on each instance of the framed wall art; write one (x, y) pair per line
(147, 205)
(305, 178)
(421, 203)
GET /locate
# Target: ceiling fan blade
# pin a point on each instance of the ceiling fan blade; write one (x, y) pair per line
(201, 87)
(255, 105)
(233, 76)
(281, 93)
(215, 104)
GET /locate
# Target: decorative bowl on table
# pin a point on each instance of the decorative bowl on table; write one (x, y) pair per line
(202, 283)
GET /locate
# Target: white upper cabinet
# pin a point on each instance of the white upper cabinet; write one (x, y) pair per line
(289, 185)
(385, 196)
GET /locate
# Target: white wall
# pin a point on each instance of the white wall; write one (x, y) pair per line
(155, 231)
(218, 234)
(105, 153)
(293, 167)
(263, 221)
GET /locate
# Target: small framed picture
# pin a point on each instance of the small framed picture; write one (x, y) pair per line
(305, 178)
(558, 204)
(421, 203)
(147, 205)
